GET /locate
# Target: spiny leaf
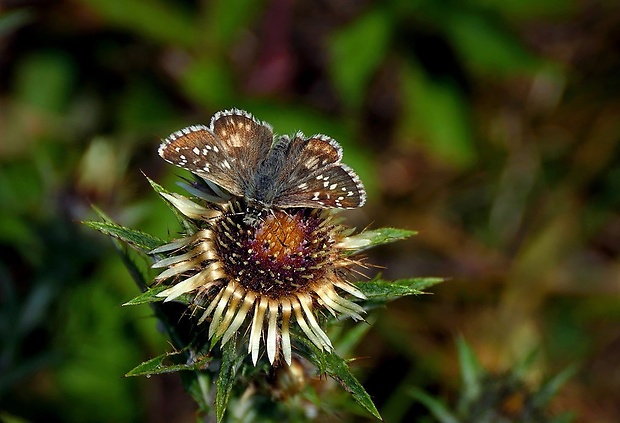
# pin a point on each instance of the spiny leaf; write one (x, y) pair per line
(150, 296)
(140, 240)
(386, 291)
(156, 366)
(337, 368)
(381, 236)
(226, 377)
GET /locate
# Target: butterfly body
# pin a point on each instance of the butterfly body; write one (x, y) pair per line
(266, 185)
(238, 153)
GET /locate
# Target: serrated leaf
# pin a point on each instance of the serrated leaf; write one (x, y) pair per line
(150, 296)
(380, 236)
(338, 369)
(226, 377)
(387, 291)
(156, 366)
(140, 240)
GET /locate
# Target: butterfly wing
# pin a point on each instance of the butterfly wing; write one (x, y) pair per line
(315, 176)
(225, 153)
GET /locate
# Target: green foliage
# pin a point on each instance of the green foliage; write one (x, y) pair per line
(137, 239)
(437, 113)
(231, 360)
(46, 81)
(356, 53)
(383, 291)
(485, 397)
(150, 296)
(156, 365)
(375, 237)
(153, 19)
(487, 45)
(337, 368)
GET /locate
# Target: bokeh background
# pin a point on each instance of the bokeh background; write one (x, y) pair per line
(492, 128)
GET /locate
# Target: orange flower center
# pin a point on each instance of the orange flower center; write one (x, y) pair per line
(279, 236)
(284, 255)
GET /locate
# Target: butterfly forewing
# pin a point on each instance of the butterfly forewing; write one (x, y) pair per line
(246, 139)
(225, 153)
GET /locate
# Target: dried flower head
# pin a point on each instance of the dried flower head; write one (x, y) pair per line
(287, 268)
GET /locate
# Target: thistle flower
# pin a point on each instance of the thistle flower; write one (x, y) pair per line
(288, 268)
(264, 258)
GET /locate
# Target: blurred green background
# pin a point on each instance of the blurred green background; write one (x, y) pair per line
(492, 128)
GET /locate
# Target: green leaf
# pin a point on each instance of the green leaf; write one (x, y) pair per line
(438, 408)
(387, 291)
(142, 241)
(380, 236)
(156, 366)
(337, 368)
(437, 115)
(150, 296)
(471, 373)
(158, 20)
(226, 377)
(44, 79)
(209, 82)
(488, 45)
(356, 52)
(551, 387)
(225, 19)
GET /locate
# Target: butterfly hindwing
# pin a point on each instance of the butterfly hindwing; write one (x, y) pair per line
(316, 178)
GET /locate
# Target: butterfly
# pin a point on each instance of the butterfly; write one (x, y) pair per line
(240, 154)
